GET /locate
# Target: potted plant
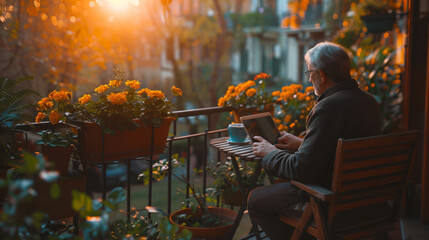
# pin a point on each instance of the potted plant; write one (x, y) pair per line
(210, 223)
(378, 16)
(226, 181)
(11, 108)
(377, 74)
(248, 98)
(295, 103)
(57, 148)
(117, 121)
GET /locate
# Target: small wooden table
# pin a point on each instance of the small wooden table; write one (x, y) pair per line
(245, 153)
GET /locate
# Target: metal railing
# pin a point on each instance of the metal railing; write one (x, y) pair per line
(208, 113)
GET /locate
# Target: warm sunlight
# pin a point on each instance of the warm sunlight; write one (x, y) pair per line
(120, 5)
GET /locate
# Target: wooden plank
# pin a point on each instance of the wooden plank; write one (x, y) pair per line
(350, 156)
(365, 202)
(217, 140)
(368, 193)
(371, 162)
(373, 172)
(315, 190)
(303, 222)
(399, 179)
(319, 220)
(378, 141)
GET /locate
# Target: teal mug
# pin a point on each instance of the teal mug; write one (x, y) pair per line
(237, 132)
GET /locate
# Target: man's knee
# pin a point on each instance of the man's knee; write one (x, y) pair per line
(254, 200)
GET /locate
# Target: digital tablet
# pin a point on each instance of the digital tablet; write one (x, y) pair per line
(261, 124)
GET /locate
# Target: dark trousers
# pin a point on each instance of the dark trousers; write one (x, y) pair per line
(265, 204)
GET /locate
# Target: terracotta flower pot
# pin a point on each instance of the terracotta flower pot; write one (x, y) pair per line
(59, 156)
(250, 111)
(234, 199)
(214, 233)
(123, 144)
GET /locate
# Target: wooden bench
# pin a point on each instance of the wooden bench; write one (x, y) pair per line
(369, 180)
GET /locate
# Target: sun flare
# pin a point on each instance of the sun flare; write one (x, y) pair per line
(121, 5)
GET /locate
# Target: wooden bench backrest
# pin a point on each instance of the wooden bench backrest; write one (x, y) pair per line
(371, 170)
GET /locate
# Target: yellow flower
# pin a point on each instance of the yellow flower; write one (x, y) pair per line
(156, 94)
(102, 88)
(115, 83)
(250, 92)
(84, 99)
(134, 84)
(40, 116)
(54, 117)
(176, 91)
(117, 98)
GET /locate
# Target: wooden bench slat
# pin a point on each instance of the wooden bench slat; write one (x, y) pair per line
(370, 183)
(373, 172)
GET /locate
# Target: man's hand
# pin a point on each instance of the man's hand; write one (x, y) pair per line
(288, 142)
(262, 147)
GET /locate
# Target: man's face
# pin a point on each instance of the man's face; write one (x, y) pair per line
(315, 78)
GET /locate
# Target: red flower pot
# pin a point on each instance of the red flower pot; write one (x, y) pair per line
(123, 144)
(59, 156)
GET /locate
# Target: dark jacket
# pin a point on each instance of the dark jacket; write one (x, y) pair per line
(342, 111)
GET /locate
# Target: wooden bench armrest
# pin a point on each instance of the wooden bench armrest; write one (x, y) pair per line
(317, 191)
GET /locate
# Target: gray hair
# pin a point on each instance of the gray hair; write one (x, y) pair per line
(331, 58)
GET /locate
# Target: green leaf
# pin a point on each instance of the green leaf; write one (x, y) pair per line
(82, 203)
(55, 191)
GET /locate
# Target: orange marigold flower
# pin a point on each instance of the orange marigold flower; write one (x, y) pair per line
(176, 91)
(59, 96)
(84, 99)
(250, 92)
(117, 98)
(134, 84)
(276, 93)
(309, 89)
(102, 88)
(262, 75)
(221, 102)
(144, 90)
(301, 96)
(40, 116)
(115, 83)
(54, 117)
(43, 104)
(156, 94)
(287, 118)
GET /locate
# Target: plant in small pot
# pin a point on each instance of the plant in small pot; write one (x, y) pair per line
(248, 97)
(57, 148)
(210, 223)
(226, 181)
(119, 120)
(378, 16)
